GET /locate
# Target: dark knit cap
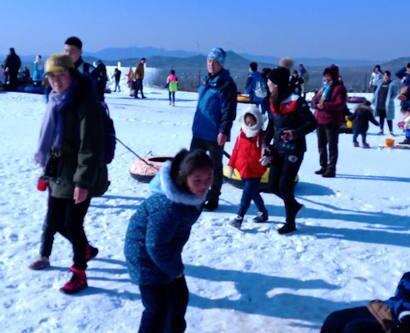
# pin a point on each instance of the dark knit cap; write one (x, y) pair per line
(280, 76)
(332, 71)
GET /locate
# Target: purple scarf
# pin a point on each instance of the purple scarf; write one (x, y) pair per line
(52, 129)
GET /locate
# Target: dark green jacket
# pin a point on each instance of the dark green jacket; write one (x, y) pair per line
(82, 154)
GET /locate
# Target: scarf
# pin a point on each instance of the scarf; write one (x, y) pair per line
(52, 128)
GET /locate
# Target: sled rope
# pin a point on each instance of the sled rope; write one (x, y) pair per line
(134, 153)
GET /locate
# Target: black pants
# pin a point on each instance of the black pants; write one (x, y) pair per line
(171, 96)
(282, 175)
(66, 218)
(139, 87)
(216, 154)
(251, 192)
(383, 116)
(13, 81)
(164, 307)
(354, 320)
(328, 139)
(356, 135)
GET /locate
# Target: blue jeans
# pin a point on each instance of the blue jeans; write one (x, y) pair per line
(251, 192)
(164, 307)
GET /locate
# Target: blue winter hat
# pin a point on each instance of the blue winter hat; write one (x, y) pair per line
(217, 54)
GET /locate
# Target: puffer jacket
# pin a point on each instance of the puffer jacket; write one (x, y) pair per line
(158, 231)
(293, 114)
(333, 107)
(248, 148)
(216, 109)
(82, 154)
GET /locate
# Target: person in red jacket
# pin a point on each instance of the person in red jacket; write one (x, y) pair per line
(329, 104)
(245, 158)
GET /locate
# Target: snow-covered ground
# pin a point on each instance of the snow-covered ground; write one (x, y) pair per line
(352, 243)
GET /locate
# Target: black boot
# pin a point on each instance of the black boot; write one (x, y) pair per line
(291, 211)
(287, 228)
(321, 171)
(329, 173)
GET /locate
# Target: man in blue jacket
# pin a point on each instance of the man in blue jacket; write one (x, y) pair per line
(257, 87)
(214, 115)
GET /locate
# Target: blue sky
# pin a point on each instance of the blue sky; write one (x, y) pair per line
(360, 29)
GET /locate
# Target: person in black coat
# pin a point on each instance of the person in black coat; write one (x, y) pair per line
(296, 83)
(12, 66)
(361, 118)
(117, 78)
(290, 120)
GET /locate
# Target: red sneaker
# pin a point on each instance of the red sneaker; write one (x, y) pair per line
(77, 282)
(90, 252)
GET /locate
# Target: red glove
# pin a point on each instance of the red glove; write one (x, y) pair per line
(42, 184)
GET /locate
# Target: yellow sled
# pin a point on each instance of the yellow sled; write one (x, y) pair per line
(243, 99)
(236, 180)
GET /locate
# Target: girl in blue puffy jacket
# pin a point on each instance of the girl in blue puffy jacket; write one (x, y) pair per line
(156, 235)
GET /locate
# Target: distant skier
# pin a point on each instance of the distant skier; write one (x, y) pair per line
(257, 88)
(12, 66)
(156, 236)
(100, 77)
(38, 70)
(375, 78)
(117, 78)
(305, 76)
(297, 83)
(383, 101)
(139, 78)
(129, 78)
(172, 84)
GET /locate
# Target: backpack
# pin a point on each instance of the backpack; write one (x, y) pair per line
(260, 89)
(109, 134)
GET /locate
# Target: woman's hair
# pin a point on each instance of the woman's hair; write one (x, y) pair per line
(172, 72)
(377, 67)
(185, 163)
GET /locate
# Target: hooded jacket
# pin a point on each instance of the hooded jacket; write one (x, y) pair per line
(158, 231)
(248, 148)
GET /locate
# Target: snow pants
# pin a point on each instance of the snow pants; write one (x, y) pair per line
(164, 307)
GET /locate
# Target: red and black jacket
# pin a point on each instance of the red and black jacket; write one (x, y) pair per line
(293, 114)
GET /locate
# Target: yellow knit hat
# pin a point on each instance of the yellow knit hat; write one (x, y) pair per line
(58, 63)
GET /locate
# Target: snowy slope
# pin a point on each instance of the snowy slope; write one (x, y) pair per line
(352, 244)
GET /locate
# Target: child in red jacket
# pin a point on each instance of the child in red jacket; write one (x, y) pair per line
(245, 158)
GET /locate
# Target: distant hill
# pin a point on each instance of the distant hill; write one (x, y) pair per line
(396, 64)
(114, 53)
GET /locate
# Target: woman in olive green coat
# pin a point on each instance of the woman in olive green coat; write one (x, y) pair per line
(71, 150)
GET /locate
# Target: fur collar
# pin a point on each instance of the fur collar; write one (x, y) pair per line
(162, 183)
